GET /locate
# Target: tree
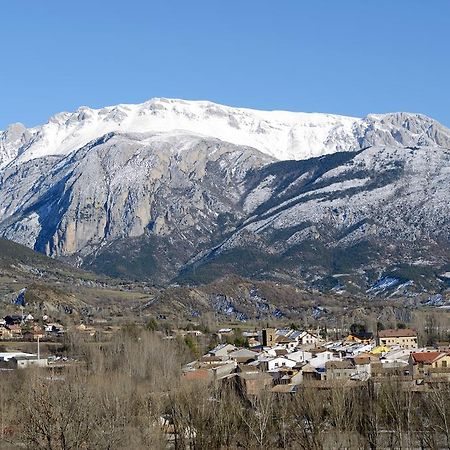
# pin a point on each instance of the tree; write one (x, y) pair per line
(357, 328)
(308, 419)
(57, 415)
(152, 325)
(257, 417)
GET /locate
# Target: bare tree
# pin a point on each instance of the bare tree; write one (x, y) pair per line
(257, 417)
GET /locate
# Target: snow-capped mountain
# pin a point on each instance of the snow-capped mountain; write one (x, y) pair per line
(378, 212)
(173, 188)
(280, 134)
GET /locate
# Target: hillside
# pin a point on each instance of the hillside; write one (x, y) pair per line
(190, 192)
(60, 290)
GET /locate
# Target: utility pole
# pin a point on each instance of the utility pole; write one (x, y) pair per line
(39, 349)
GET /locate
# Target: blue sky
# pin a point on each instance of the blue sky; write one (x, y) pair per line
(348, 57)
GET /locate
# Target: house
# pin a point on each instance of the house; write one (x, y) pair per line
(280, 351)
(365, 358)
(285, 342)
(307, 338)
(20, 360)
(363, 366)
(288, 375)
(300, 356)
(309, 373)
(319, 359)
(222, 350)
(211, 360)
(198, 375)
(443, 346)
(340, 370)
(224, 333)
(405, 338)
(26, 362)
(223, 370)
(250, 334)
(429, 364)
(16, 330)
(252, 342)
(252, 383)
(361, 337)
(54, 328)
(243, 355)
(271, 364)
(5, 332)
(397, 355)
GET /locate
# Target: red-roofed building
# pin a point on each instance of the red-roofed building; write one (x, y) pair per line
(429, 364)
(198, 375)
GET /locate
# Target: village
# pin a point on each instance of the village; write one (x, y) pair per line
(283, 359)
(279, 359)
(245, 368)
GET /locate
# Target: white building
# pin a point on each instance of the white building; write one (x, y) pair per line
(307, 338)
(300, 356)
(271, 364)
(319, 359)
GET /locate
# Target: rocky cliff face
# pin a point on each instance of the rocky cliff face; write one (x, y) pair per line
(104, 189)
(180, 187)
(13, 141)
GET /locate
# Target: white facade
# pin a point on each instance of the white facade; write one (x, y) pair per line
(270, 365)
(321, 358)
(300, 356)
(307, 338)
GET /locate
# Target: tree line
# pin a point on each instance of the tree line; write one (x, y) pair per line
(129, 393)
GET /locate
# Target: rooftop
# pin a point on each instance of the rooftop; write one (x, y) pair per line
(405, 332)
(345, 364)
(427, 357)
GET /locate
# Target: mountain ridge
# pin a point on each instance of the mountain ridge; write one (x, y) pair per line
(171, 205)
(282, 135)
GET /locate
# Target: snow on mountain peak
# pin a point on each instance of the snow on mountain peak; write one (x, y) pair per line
(281, 134)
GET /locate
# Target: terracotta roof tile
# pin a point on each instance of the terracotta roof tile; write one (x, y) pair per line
(405, 332)
(426, 357)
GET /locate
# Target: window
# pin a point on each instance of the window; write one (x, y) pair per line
(444, 363)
